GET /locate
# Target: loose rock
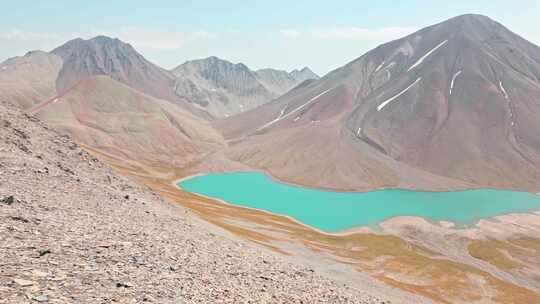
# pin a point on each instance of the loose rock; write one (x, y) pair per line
(9, 200)
(88, 242)
(24, 283)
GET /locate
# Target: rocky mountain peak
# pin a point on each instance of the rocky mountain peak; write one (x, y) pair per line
(224, 88)
(474, 27)
(103, 55)
(304, 74)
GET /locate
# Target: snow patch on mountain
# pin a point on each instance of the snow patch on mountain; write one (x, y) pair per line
(419, 61)
(382, 105)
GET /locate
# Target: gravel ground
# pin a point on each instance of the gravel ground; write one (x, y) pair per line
(73, 231)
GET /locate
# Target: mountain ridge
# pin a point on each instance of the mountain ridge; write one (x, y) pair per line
(227, 88)
(401, 101)
(103, 55)
(406, 103)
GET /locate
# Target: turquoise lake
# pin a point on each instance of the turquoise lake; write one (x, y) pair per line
(337, 211)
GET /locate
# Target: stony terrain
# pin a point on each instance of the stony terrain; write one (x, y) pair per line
(72, 231)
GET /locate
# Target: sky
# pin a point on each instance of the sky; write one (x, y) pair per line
(320, 34)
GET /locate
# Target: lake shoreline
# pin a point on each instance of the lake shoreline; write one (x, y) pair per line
(368, 228)
(366, 190)
(363, 229)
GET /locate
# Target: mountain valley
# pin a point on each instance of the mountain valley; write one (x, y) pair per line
(96, 141)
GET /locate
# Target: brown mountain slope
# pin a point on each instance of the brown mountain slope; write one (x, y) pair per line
(113, 118)
(471, 107)
(396, 99)
(29, 79)
(316, 151)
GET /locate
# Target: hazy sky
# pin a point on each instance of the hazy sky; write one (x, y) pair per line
(281, 34)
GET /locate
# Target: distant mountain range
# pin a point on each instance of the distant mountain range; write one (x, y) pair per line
(213, 85)
(451, 106)
(224, 88)
(111, 98)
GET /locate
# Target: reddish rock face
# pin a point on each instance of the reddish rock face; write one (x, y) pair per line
(460, 99)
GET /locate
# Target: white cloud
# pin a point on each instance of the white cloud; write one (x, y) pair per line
(291, 33)
(321, 48)
(16, 34)
(21, 41)
(15, 39)
(350, 33)
(156, 40)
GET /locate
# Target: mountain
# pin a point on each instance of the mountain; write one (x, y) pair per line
(303, 74)
(120, 61)
(115, 119)
(29, 79)
(111, 99)
(107, 96)
(452, 105)
(208, 88)
(281, 81)
(223, 88)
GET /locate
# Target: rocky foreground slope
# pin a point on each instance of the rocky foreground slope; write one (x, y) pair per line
(72, 231)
